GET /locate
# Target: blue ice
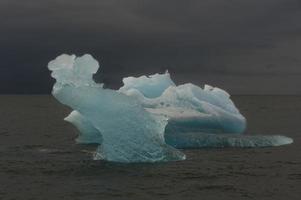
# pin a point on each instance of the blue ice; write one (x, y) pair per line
(149, 118)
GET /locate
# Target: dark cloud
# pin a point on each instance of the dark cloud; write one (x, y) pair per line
(243, 46)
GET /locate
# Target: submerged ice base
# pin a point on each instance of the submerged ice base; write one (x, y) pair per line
(149, 117)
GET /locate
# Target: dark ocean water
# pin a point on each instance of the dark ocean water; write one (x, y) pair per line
(40, 160)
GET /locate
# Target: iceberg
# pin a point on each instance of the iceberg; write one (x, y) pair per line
(149, 118)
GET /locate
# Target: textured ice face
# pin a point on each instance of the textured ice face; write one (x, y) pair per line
(150, 87)
(147, 118)
(69, 69)
(126, 131)
(188, 107)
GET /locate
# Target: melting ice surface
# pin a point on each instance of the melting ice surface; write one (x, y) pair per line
(148, 118)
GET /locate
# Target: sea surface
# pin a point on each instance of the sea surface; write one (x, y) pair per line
(39, 158)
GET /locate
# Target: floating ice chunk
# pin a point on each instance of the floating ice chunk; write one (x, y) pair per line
(194, 109)
(128, 132)
(146, 118)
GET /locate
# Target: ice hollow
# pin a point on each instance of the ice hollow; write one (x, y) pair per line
(149, 117)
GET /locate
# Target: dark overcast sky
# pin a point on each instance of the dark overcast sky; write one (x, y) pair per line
(243, 46)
